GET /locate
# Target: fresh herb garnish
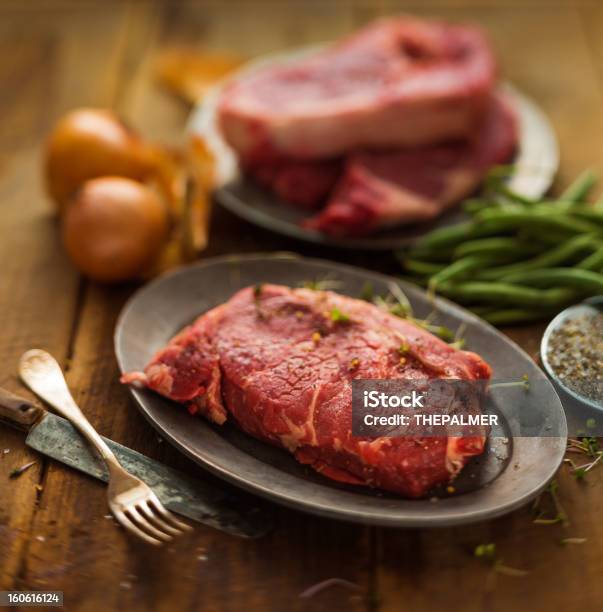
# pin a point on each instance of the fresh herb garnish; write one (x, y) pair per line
(565, 541)
(588, 446)
(487, 553)
(325, 584)
(579, 473)
(367, 293)
(321, 284)
(559, 516)
(523, 382)
(339, 317)
(397, 304)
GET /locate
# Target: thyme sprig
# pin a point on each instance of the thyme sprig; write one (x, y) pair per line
(565, 541)
(339, 317)
(587, 445)
(523, 382)
(321, 284)
(560, 516)
(487, 553)
(396, 303)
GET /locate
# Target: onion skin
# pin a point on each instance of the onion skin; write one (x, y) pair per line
(114, 228)
(89, 143)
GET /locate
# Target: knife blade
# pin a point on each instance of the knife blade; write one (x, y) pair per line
(230, 511)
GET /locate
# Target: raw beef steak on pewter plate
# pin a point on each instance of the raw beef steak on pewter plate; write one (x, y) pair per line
(279, 364)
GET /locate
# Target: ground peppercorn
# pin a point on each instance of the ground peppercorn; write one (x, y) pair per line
(575, 353)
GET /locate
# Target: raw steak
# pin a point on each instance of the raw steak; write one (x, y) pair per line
(279, 364)
(388, 188)
(303, 183)
(373, 189)
(398, 82)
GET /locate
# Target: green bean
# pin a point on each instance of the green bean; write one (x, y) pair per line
(447, 236)
(426, 254)
(553, 257)
(457, 269)
(593, 262)
(516, 315)
(579, 210)
(496, 181)
(556, 207)
(422, 268)
(550, 238)
(588, 213)
(528, 241)
(566, 206)
(506, 293)
(505, 247)
(474, 206)
(501, 220)
(583, 280)
(581, 187)
(500, 172)
(505, 191)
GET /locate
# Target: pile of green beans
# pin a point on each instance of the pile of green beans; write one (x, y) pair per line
(517, 259)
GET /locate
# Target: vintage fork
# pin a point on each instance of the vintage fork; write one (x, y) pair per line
(132, 502)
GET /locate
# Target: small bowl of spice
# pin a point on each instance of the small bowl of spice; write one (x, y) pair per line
(572, 355)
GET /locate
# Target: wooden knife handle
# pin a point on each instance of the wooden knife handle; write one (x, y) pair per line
(18, 411)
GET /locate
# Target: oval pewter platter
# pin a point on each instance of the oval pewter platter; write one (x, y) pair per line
(511, 472)
(536, 162)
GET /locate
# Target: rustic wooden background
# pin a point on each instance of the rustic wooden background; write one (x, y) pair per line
(63, 54)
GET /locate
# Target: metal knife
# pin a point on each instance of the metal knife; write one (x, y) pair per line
(232, 512)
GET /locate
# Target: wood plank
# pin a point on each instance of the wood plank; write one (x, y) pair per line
(34, 276)
(546, 55)
(95, 562)
(591, 19)
(100, 57)
(38, 287)
(87, 556)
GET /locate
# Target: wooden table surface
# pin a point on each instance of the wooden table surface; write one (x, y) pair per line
(64, 54)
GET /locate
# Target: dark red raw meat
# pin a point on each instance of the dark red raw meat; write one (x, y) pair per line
(380, 189)
(401, 82)
(303, 183)
(273, 360)
(369, 190)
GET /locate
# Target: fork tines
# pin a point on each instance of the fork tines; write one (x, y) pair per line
(149, 520)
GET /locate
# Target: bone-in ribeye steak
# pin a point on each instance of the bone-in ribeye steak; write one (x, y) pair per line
(379, 189)
(370, 190)
(396, 83)
(274, 361)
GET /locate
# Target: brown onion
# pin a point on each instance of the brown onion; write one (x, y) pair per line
(114, 228)
(88, 143)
